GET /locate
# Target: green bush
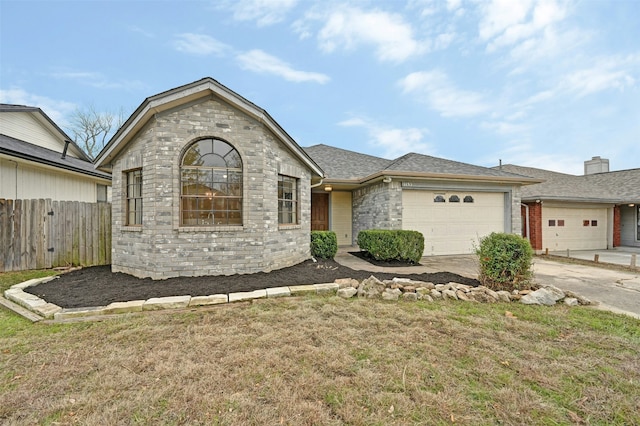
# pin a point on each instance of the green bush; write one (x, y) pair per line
(505, 261)
(324, 244)
(405, 246)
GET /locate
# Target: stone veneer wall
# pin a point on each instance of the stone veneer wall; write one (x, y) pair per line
(161, 248)
(377, 206)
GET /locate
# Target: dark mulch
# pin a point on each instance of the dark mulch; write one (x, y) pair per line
(98, 286)
(386, 263)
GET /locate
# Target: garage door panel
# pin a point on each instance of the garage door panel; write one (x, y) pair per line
(574, 228)
(450, 227)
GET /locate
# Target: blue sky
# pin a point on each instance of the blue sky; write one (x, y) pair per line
(546, 84)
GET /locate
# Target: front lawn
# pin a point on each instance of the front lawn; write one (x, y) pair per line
(325, 361)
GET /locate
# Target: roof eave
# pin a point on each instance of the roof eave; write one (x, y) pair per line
(449, 176)
(191, 92)
(67, 167)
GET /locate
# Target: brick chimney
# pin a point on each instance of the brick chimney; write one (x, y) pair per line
(596, 165)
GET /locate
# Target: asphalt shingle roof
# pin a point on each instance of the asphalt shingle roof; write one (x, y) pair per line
(344, 164)
(611, 187)
(421, 163)
(28, 151)
(340, 163)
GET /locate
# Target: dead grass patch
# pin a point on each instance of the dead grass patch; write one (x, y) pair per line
(325, 361)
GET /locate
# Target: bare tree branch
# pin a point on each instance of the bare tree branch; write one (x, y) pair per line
(91, 128)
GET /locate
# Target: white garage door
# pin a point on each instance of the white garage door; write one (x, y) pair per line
(450, 226)
(574, 228)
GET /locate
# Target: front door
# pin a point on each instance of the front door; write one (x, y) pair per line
(319, 211)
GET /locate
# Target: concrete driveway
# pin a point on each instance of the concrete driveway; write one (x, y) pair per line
(615, 290)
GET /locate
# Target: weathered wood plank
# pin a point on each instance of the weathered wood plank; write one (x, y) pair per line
(48, 230)
(17, 235)
(6, 210)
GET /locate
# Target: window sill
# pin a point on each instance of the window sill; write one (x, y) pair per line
(284, 227)
(131, 229)
(209, 228)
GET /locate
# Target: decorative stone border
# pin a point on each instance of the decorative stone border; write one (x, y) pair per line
(398, 288)
(45, 310)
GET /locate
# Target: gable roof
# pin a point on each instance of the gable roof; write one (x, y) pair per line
(610, 187)
(27, 151)
(187, 93)
(48, 123)
(343, 165)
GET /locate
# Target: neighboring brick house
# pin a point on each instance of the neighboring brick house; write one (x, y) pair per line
(207, 183)
(452, 204)
(598, 210)
(39, 160)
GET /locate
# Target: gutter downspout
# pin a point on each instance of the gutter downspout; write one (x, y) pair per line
(64, 151)
(317, 184)
(526, 215)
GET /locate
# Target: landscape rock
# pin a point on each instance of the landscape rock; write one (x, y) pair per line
(371, 287)
(347, 282)
(571, 301)
(504, 296)
(436, 295)
(449, 294)
(462, 296)
(547, 296)
(391, 294)
(410, 296)
(347, 292)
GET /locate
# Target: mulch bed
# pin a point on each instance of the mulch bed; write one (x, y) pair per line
(98, 286)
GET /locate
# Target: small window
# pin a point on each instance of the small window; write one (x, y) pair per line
(439, 199)
(585, 223)
(287, 200)
(594, 223)
(101, 193)
(468, 199)
(552, 222)
(560, 222)
(454, 199)
(134, 198)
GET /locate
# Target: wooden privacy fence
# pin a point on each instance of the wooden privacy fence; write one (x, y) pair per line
(38, 234)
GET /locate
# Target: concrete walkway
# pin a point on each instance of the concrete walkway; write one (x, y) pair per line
(624, 256)
(615, 290)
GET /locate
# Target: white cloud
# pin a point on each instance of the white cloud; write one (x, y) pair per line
(440, 93)
(606, 74)
(393, 141)
(348, 28)
(97, 80)
(264, 12)
(507, 23)
(55, 109)
(261, 62)
(199, 44)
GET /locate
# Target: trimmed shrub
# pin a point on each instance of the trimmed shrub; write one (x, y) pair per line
(324, 244)
(404, 246)
(505, 261)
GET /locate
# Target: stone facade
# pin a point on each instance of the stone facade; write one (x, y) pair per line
(377, 206)
(162, 248)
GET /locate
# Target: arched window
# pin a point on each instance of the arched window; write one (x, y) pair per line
(210, 184)
(454, 199)
(468, 199)
(439, 199)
